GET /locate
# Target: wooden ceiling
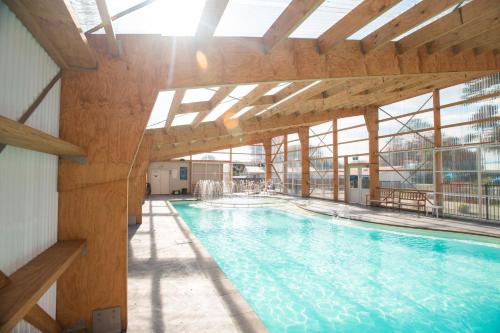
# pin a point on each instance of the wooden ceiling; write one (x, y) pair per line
(328, 77)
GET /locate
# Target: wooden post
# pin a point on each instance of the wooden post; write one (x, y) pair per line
(190, 185)
(335, 148)
(285, 163)
(438, 179)
(304, 146)
(347, 181)
(371, 120)
(267, 151)
(93, 198)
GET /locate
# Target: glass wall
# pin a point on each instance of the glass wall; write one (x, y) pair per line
(293, 165)
(249, 163)
(321, 160)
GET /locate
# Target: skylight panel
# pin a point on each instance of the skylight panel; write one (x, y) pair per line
(278, 88)
(242, 112)
(198, 95)
(242, 90)
(388, 16)
(324, 17)
(220, 109)
(160, 109)
(184, 119)
(249, 18)
(166, 17)
(86, 12)
(117, 6)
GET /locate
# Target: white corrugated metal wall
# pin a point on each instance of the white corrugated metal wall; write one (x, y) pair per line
(28, 180)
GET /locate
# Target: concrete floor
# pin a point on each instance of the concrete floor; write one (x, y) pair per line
(174, 285)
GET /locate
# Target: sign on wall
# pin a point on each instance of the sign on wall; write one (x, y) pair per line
(183, 172)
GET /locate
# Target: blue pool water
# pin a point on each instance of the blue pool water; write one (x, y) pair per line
(311, 273)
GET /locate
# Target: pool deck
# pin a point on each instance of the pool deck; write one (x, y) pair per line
(173, 283)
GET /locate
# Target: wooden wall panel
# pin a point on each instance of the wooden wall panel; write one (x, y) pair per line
(105, 112)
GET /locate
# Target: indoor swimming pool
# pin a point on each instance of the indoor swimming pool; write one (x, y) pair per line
(304, 272)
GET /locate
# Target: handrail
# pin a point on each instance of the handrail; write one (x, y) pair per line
(28, 284)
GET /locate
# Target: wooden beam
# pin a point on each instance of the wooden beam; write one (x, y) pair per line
(305, 164)
(212, 13)
(335, 150)
(240, 60)
(405, 22)
(292, 103)
(281, 95)
(174, 106)
(207, 131)
(218, 97)
(372, 125)
(22, 136)
(490, 39)
(29, 283)
(294, 14)
(447, 24)
(356, 19)
(186, 148)
(247, 100)
(438, 158)
(114, 48)
(475, 28)
(194, 107)
(54, 25)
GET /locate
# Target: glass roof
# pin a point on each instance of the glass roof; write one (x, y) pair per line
(220, 109)
(386, 17)
(184, 119)
(278, 88)
(166, 17)
(199, 95)
(160, 109)
(86, 13)
(324, 17)
(241, 112)
(249, 18)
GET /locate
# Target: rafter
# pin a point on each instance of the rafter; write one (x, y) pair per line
(174, 107)
(294, 14)
(114, 48)
(60, 35)
(304, 94)
(405, 22)
(356, 19)
(251, 97)
(475, 28)
(447, 24)
(490, 39)
(212, 13)
(218, 97)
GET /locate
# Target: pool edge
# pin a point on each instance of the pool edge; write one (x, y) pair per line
(235, 304)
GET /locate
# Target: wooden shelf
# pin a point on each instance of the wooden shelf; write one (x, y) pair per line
(19, 135)
(32, 281)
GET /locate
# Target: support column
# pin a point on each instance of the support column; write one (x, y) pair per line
(335, 148)
(438, 158)
(267, 153)
(105, 112)
(371, 120)
(137, 181)
(304, 146)
(285, 163)
(347, 181)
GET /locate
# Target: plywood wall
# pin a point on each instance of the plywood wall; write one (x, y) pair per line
(28, 180)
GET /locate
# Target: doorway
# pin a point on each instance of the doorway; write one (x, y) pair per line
(160, 181)
(359, 183)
